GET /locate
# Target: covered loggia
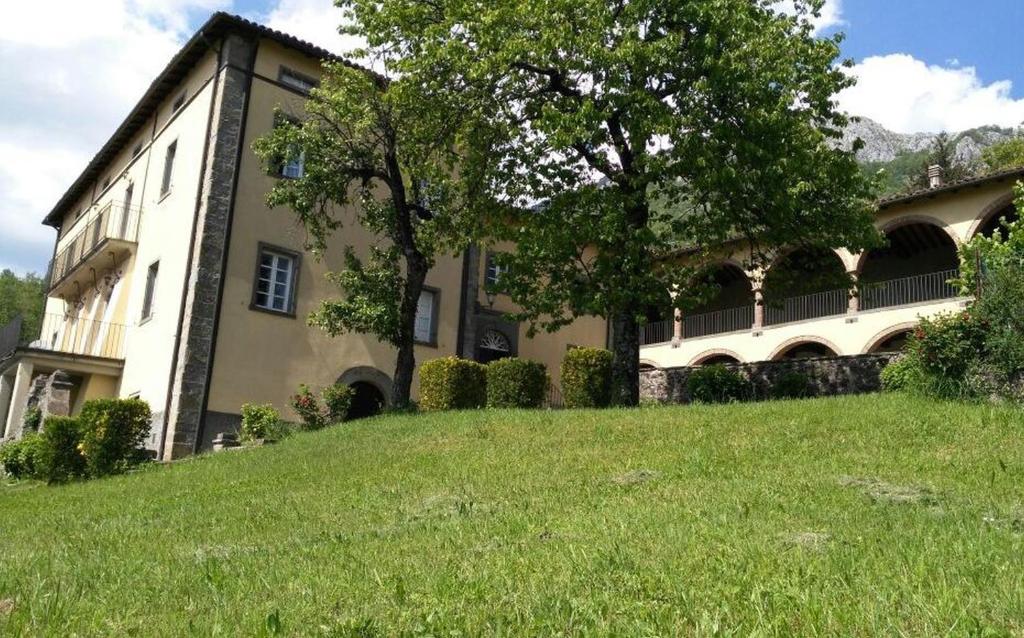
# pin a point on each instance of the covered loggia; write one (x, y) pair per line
(727, 306)
(915, 266)
(805, 284)
(995, 220)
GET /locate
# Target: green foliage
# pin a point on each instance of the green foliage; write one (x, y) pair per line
(450, 383)
(896, 174)
(32, 420)
(113, 433)
(1004, 249)
(23, 458)
(516, 383)
(261, 422)
(61, 457)
(23, 296)
(337, 401)
(587, 378)
(601, 111)
(792, 385)
(945, 348)
(902, 374)
(942, 154)
(716, 384)
(308, 407)
(1004, 155)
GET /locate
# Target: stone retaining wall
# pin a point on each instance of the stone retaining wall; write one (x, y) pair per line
(828, 376)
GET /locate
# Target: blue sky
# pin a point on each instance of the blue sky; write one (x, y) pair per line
(921, 66)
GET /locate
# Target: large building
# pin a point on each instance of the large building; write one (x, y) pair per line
(898, 284)
(173, 281)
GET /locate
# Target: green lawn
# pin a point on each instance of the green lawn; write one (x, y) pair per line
(875, 515)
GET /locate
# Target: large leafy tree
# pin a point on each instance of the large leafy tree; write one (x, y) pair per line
(22, 296)
(377, 152)
(720, 111)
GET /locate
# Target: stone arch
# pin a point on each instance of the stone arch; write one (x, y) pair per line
(996, 207)
(647, 364)
(369, 375)
(884, 335)
(715, 353)
(790, 344)
(910, 220)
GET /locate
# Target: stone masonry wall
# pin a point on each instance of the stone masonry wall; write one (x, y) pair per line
(828, 376)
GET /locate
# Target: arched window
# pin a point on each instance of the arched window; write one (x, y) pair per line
(493, 346)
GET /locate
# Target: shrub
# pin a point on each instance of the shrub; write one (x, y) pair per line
(32, 420)
(516, 383)
(261, 422)
(307, 406)
(22, 459)
(902, 374)
(792, 385)
(60, 456)
(716, 384)
(337, 401)
(587, 378)
(113, 433)
(1000, 313)
(451, 383)
(945, 348)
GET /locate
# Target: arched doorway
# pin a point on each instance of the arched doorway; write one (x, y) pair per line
(914, 267)
(367, 401)
(729, 306)
(805, 284)
(493, 346)
(804, 350)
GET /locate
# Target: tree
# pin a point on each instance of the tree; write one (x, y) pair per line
(943, 155)
(1004, 155)
(22, 296)
(384, 150)
(722, 111)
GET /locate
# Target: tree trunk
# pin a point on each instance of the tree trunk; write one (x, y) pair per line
(405, 362)
(625, 359)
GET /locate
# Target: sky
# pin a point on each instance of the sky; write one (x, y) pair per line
(921, 65)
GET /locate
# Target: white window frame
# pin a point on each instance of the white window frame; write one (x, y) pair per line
(278, 303)
(295, 80)
(427, 336)
(492, 271)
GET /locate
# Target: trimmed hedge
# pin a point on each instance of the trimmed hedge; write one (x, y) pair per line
(516, 383)
(23, 458)
(60, 458)
(587, 378)
(113, 434)
(451, 383)
(716, 384)
(792, 385)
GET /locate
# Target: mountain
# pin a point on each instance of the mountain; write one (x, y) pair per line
(883, 145)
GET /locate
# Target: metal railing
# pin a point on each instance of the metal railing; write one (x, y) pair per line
(718, 322)
(112, 221)
(909, 290)
(820, 304)
(553, 401)
(657, 332)
(67, 335)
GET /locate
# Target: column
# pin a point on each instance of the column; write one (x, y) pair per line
(854, 305)
(677, 328)
(6, 389)
(19, 397)
(758, 309)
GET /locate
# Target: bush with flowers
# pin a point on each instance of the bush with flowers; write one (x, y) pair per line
(331, 406)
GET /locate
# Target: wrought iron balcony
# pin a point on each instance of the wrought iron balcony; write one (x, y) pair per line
(107, 238)
(65, 335)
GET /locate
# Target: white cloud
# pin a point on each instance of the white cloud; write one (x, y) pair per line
(71, 71)
(314, 20)
(830, 18)
(908, 96)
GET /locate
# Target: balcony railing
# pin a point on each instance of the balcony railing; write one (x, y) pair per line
(83, 337)
(111, 222)
(909, 290)
(718, 322)
(872, 296)
(804, 307)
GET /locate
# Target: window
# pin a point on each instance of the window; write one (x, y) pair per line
(178, 103)
(276, 276)
(494, 271)
(165, 184)
(293, 165)
(425, 330)
(297, 81)
(147, 300)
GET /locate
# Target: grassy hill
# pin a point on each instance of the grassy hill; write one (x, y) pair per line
(853, 516)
